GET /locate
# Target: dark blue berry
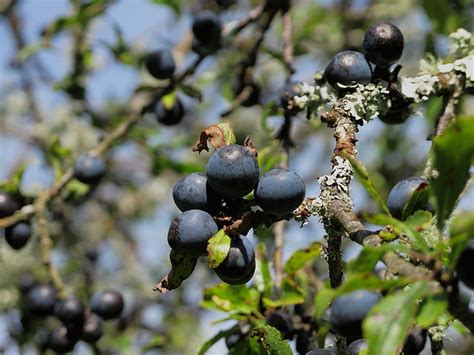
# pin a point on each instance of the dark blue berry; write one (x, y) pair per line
(280, 192)
(8, 204)
(401, 194)
(347, 68)
(232, 171)
(383, 44)
(93, 328)
(41, 299)
(18, 235)
(70, 311)
(239, 265)
(89, 169)
(108, 304)
(60, 341)
(465, 265)
(160, 64)
(189, 232)
(193, 192)
(207, 28)
(169, 116)
(348, 312)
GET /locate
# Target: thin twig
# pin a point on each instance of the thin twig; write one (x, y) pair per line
(234, 27)
(288, 57)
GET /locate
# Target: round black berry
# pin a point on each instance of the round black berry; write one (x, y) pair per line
(89, 169)
(193, 192)
(107, 304)
(356, 347)
(207, 29)
(70, 311)
(18, 235)
(169, 116)
(93, 328)
(415, 342)
(346, 68)
(232, 171)
(41, 299)
(189, 232)
(465, 265)
(348, 312)
(239, 265)
(280, 191)
(60, 341)
(160, 64)
(8, 204)
(383, 44)
(401, 194)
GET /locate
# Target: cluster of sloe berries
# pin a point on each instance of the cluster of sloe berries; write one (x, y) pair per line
(383, 46)
(18, 234)
(77, 322)
(232, 172)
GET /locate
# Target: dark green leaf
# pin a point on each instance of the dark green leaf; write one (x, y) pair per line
(217, 249)
(192, 91)
(452, 155)
(301, 257)
(181, 268)
(208, 344)
(232, 299)
(419, 198)
(363, 177)
(430, 310)
(386, 326)
(267, 340)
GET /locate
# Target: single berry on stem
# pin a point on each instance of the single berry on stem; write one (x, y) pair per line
(89, 169)
(18, 235)
(108, 304)
(194, 192)
(41, 299)
(383, 44)
(9, 203)
(169, 116)
(347, 68)
(160, 64)
(402, 192)
(93, 328)
(207, 28)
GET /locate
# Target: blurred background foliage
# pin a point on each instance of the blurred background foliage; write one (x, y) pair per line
(67, 72)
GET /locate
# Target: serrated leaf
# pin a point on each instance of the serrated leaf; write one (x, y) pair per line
(181, 268)
(208, 344)
(387, 324)
(217, 249)
(363, 176)
(301, 257)
(431, 309)
(266, 340)
(232, 299)
(452, 154)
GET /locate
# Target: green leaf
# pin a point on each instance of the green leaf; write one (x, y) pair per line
(419, 197)
(232, 299)
(229, 135)
(266, 340)
(323, 300)
(301, 257)
(169, 100)
(431, 309)
(208, 344)
(452, 154)
(263, 276)
(12, 185)
(408, 228)
(386, 326)
(290, 294)
(217, 249)
(181, 268)
(192, 91)
(363, 177)
(368, 258)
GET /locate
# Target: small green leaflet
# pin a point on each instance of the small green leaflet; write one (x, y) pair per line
(217, 249)
(229, 135)
(452, 154)
(363, 177)
(232, 299)
(430, 310)
(301, 257)
(386, 326)
(181, 268)
(169, 100)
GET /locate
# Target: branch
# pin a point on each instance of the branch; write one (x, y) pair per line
(288, 42)
(234, 27)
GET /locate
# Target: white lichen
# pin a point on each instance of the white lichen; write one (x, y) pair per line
(419, 88)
